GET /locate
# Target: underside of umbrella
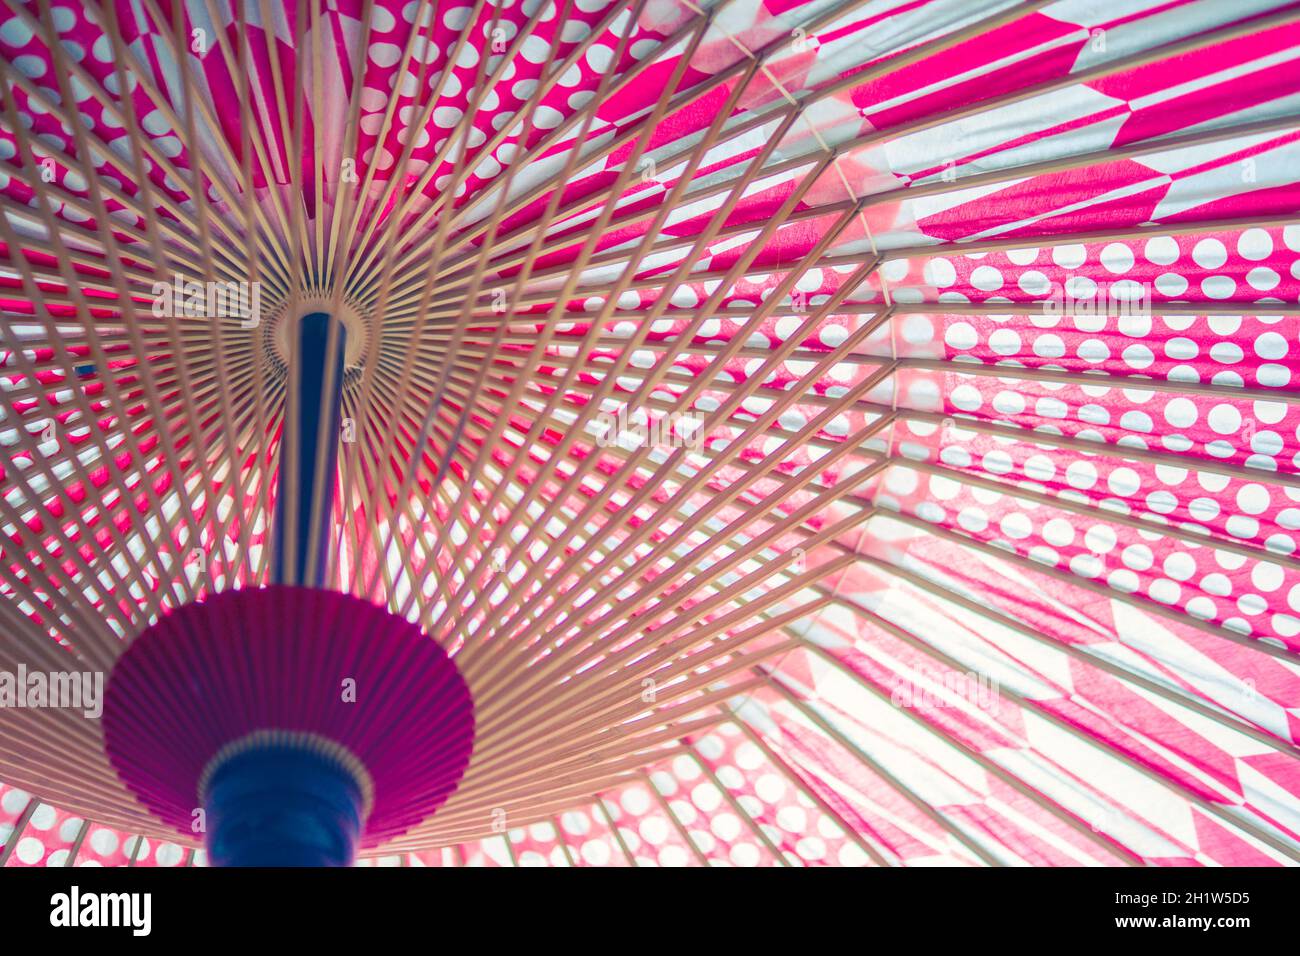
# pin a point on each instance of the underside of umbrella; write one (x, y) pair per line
(649, 432)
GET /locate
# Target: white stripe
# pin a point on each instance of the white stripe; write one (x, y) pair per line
(1213, 79)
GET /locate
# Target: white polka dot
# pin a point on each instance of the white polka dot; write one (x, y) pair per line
(1263, 279)
(1267, 576)
(1271, 345)
(1164, 591)
(1086, 565)
(1081, 475)
(1080, 287)
(1138, 557)
(1241, 526)
(939, 272)
(1138, 356)
(1253, 499)
(30, 850)
(986, 279)
(1094, 414)
(1093, 350)
(1049, 346)
(1171, 284)
(1136, 421)
(1216, 584)
(103, 842)
(16, 33)
(599, 57)
(1049, 407)
(385, 54)
(1209, 254)
(961, 336)
(546, 117)
(1162, 501)
(1161, 251)
(1044, 555)
(1070, 256)
(725, 826)
(1226, 353)
(1218, 287)
(973, 519)
(1135, 325)
(1035, 283)
(1224, 419)
(998, 462)
(1273, 375)
(1124, 482)
(1004, 342)
(1117, 257)
(1181, 413)
(917, 330)
(1270, 413)
(1058, 532)
(1180, 566)
(1254, 244)
(1224, 324)
(43, 817)
(1100, 539)
(1016, 525)
(1122, 579)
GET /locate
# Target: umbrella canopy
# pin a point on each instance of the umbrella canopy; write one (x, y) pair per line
(818, 433)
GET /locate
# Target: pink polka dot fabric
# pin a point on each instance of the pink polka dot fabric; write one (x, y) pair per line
(988, 309)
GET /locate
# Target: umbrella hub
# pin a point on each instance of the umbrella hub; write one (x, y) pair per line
(302, 726)
(283, 323)
(294, 802)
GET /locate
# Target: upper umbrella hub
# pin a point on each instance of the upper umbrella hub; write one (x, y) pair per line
(281, 324)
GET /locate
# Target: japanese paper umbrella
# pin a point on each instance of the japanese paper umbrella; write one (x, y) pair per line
(653, 432)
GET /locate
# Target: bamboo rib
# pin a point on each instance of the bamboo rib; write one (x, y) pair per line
(730, 798)
(817, 799)
(987, 765)
(460, 325)
(132, 320)
(676, 822)
(1114, 594)
(979, 715)
(951, 829)
(75, 849)
(534, 431)
(1245, 826)
(20, 827)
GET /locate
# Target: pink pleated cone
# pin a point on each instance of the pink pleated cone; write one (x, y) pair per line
(297, 660)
